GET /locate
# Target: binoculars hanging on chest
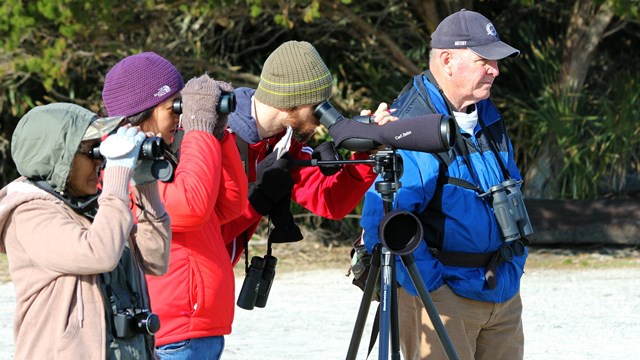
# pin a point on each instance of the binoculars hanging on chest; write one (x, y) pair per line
(510, 211)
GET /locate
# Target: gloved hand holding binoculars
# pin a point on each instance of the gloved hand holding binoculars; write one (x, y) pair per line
(200, 105)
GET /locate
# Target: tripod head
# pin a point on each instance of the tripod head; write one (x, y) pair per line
(385, 162)
(390, 167)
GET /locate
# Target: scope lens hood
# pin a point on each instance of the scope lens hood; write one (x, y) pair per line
(400, 231)
(448, 132)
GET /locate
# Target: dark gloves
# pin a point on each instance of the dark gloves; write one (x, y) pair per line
(200, 97)
(327, 151)
(273, 183)
(270, 195)
(285, 229)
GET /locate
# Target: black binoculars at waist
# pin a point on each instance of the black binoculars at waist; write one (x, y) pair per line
(257, 285)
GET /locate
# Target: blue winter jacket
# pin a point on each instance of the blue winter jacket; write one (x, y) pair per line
(459, 220)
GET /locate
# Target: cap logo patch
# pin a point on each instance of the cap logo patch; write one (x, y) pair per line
(491, 31)
(460, 43)
(164, 90)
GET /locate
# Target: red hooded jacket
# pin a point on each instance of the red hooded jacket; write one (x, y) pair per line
(196, 297)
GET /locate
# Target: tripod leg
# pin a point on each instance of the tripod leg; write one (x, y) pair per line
(395, 332)
(385, 303)
(410, 263)
(365, 304)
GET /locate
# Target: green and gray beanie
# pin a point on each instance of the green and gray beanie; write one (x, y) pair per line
(293, 75)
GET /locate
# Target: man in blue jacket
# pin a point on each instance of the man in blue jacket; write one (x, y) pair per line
(473, 286)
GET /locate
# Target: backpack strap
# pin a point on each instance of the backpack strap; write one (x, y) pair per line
(444, 160)
(422, 90)
(413, 99)
(243, 149)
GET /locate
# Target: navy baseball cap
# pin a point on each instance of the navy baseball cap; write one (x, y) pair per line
(470, 30)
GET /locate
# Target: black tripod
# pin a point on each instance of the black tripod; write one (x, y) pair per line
(400, 233)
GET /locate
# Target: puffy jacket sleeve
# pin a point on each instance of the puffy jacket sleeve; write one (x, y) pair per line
(334, 196)
(191, 198)
(232, 195)
(152, 235)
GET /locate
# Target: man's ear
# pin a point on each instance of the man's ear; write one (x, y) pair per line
(446, 57)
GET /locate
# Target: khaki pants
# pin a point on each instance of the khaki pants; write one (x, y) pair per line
(478, 330)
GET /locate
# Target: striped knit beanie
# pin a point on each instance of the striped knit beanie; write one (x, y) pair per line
(294, 75)
(139, 82)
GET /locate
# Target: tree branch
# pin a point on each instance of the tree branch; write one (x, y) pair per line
(402, 63)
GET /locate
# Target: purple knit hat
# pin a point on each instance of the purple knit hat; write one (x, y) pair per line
(139, 82)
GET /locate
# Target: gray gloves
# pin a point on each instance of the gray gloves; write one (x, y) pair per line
(123, 147)
(200, 97)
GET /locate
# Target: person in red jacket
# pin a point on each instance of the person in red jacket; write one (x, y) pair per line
(293, 82)
(195, 299)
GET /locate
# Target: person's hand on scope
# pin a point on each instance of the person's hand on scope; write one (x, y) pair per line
(200, 97)
(381, 117)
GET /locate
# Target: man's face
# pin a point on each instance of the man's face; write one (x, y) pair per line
(302, 122)
(472, 75)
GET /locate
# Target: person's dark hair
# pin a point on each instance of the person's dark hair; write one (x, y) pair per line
(138, 118)
(134, 120)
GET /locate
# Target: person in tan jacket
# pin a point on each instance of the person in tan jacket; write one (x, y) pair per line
(76, 258)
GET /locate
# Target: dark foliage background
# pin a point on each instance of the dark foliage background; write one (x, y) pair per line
(571, 98)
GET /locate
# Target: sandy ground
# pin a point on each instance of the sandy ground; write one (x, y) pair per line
(568, 314)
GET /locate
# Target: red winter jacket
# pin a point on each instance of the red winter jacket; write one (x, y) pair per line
(196, 297)
(332, 197)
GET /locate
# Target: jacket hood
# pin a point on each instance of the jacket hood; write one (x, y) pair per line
(46, 140)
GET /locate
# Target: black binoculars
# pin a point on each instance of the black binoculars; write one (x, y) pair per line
(510, 210)
(151, 148)
(257, 285)
(226, 104)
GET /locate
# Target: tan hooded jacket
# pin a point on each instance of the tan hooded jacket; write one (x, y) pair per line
(56, 254)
